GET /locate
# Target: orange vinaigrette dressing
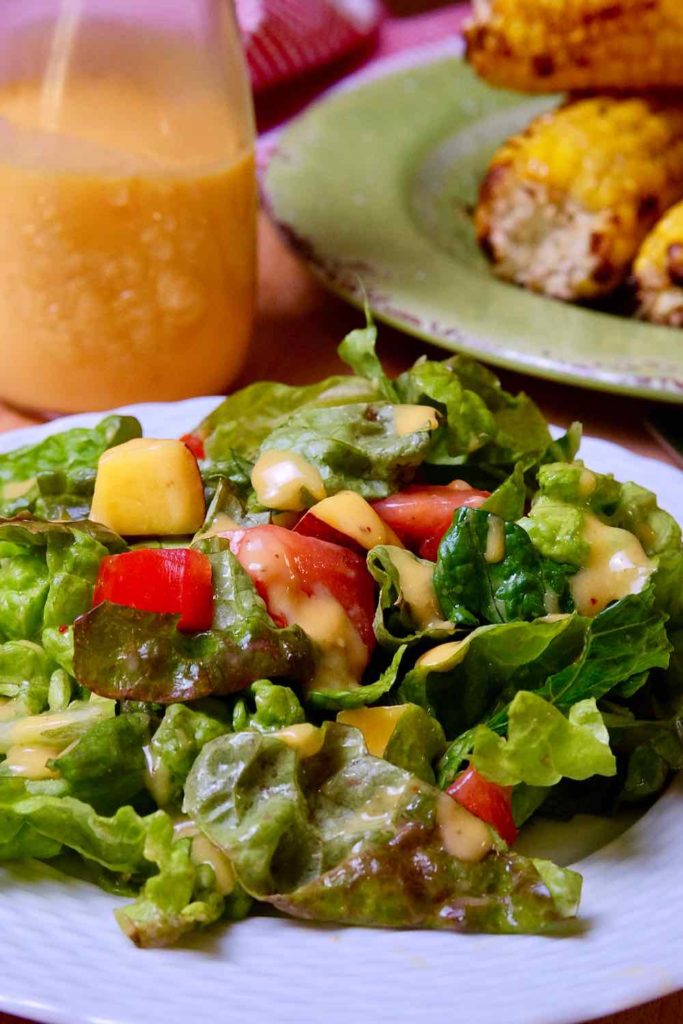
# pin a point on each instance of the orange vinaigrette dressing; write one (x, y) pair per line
(127, 249)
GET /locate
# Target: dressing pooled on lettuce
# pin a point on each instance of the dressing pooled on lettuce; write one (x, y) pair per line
(328, 652)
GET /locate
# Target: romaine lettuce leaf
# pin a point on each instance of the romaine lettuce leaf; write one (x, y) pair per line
(354, 447)
(463, 682)
(487, 570)
(626, 639)
(358, 351)
(509, 498)
(346, 837)
(400, 619)
(359, 696)
(242, 422)
(415, 743)
(543, 746)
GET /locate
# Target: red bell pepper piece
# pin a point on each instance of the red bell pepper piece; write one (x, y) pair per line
(175, 581)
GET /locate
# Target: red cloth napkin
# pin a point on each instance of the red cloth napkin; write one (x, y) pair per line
(286, 38)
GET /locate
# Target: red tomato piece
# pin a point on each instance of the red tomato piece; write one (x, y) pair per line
(196, 445)
(486, 800)
(174, 581)
(420, 515)
(275, 557)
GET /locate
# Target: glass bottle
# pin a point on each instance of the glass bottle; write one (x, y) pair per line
(127, 202)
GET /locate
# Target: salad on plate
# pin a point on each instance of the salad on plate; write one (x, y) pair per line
(329, 652)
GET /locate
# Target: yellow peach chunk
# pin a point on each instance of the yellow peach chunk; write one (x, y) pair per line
(149, 487)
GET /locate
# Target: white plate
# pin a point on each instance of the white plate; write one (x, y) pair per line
(65, 961)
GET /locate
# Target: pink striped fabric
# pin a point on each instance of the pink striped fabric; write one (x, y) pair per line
(286, 38)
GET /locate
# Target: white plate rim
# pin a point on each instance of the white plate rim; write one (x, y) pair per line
(66, 963)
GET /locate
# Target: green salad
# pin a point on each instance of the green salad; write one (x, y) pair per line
(329, 652)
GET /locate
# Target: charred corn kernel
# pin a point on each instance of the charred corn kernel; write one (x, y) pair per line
(549, 45)
(658, 271)
(566, 204)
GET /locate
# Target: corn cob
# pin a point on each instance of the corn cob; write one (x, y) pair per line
(566, 204)
(658, 271)
(571, 45)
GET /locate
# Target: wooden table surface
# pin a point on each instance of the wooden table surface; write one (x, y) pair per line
(297, 329)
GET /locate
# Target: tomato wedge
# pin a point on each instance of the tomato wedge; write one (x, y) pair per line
(172, 580)
(281, 562)
(486, 800)
(420, 515)
(196, 445)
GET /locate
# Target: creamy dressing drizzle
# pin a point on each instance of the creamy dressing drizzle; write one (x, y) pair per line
(157, 778)
(587, 483)
(16, 488)
(203, 851)
(616, 566)
(31, 762)
(222, 523)
(416, 580)
(304, 738)
(495, 540)
(462, 835)
(283, 479)
(408, 419)
(353, 516)
(376, 724)
(444, 656)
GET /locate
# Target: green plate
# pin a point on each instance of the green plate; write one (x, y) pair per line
(375, 186)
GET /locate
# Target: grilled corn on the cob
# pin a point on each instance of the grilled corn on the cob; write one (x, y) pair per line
(659, 271)
(566, 204)
(570, 45)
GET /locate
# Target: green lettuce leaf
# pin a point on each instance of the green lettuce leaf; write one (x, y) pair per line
(359, 696)
(542, 746)
(181, 734)
(266, 707)
(626, 639)
(346, 837)
(462, 683)
(476, 581)
(358, 351)
(56, 476)
(106, 767)
(227, 508)
(467, 425)
(416, 742)
(128, 654)
(354, 447)
(509, 498)
(25, 674)
(182, 897)
(56, 729)
(405, 615)
(242, 422)
(116, 843)
(487, 430)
